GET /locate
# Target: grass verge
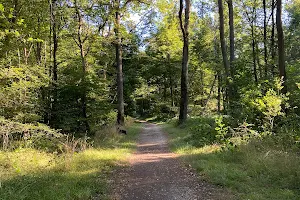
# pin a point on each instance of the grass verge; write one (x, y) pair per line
(259, 170)
(32, 174)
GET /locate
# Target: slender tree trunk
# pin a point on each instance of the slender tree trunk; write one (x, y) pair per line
(39, 44)
(172, 92)
(53, 106)
(171, 80)
(254, 54)
(273, 53)
(118, 46)
(55, 42)
(210, 93)
(165, 88)
(201, 87)
(265, 40)
(281, 50)
(231, 37)
(224, 51)
(84, 66)
(260, 67)
(185, 59)
(219, 91)
(232, 91)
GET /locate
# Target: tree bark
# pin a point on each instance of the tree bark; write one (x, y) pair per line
(185, 59)
(118, 46)
(281, 51)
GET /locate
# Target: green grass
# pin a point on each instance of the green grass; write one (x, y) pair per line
(258, 170)
(32, 174)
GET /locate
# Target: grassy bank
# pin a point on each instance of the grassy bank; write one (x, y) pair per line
(259, 170)
(32, 174)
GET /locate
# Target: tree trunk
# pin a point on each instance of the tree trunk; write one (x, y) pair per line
(210, 93)
(281, 51)
(39, 44)
(172, 92)
(171, 81)
(265, 40)
(231, 37)
(224, 51)
(273, 53)
(254, 54)
(219, 91)
(53, 102)
(84, 66)
(185, 59)
(118, 46)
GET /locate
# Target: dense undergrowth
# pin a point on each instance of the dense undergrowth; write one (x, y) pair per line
(257, 168)
(72, 173)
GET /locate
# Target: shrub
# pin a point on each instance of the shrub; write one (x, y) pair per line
(201, 131)
(14, 135)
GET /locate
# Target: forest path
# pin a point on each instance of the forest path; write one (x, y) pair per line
(157, 174)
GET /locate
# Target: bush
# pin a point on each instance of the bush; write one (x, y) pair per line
(201, 131)
(14, 135)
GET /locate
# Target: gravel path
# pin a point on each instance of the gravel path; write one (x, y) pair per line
(157, 174)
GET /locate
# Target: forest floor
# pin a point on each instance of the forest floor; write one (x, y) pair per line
(156, 173)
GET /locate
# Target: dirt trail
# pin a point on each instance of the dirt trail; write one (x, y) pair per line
(158, 174)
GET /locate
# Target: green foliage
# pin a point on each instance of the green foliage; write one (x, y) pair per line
(222, 130)
(259, 169)
(20, 92)
(35, 174)
(16, 135)
(201, 131)
(270, 106)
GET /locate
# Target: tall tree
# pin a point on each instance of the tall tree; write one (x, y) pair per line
(53, 71)
(224, 48)
(80, 41)
(118, 46)
(185, 58)
(280, 42)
